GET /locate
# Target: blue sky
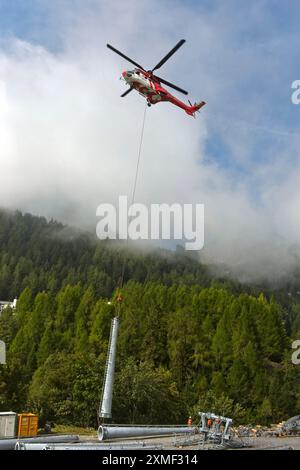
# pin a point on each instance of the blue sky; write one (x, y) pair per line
(262, 28)
(27, 19)
(265, 29)
(242, 151)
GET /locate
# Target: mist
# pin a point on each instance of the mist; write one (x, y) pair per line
(68, 142)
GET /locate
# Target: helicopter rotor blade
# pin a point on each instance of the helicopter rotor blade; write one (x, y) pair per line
(162, 80)
(125, 56)
(172, 51)
(126, 92)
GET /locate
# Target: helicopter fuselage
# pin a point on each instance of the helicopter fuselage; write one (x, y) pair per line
(146, 87)
(150, 88)
(149, 85)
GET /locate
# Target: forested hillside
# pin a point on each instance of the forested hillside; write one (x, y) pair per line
(46, 256)
(186, 342)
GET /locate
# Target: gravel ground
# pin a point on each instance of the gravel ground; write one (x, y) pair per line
(275, 443)
(171, 443)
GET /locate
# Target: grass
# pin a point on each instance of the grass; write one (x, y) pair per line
(69, 429)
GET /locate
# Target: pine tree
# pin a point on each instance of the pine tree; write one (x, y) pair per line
(83, 321)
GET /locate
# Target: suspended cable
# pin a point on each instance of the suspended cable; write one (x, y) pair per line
(135, 185)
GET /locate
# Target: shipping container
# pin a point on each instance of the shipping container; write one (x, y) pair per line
(27, 425)
(8, 424)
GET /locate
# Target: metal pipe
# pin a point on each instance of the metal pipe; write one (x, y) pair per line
(117, 432)
(27, 446)
(86, 446)
(106, 402)
(292, 424)
(102, 448)
(9, 444)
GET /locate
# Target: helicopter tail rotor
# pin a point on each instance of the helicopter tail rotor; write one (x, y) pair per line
(195, 108)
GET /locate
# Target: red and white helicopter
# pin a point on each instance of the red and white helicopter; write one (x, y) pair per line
(149, 85)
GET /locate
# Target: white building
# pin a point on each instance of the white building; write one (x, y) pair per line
(6, 303)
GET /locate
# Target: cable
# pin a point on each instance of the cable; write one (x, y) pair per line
(139, 155)
(134, 186)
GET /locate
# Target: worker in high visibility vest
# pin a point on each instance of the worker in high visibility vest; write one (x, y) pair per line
(190, 421)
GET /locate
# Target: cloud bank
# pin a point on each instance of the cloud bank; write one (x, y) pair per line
(69, 143)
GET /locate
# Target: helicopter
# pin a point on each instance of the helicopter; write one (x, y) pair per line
(149, 85)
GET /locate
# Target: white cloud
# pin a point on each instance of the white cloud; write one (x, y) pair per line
(68, 142)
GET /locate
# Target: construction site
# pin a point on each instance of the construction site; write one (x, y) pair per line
(211, 432)
(150, 261)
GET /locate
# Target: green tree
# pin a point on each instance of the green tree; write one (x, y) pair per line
(181, 344)
(146, 395)
(220, 405)
(50, 393)
(86, 389)
(83, 321)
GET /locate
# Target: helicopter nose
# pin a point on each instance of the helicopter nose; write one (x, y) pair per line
(127, 74)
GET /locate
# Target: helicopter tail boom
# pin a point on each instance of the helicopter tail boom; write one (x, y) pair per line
(191, 110)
